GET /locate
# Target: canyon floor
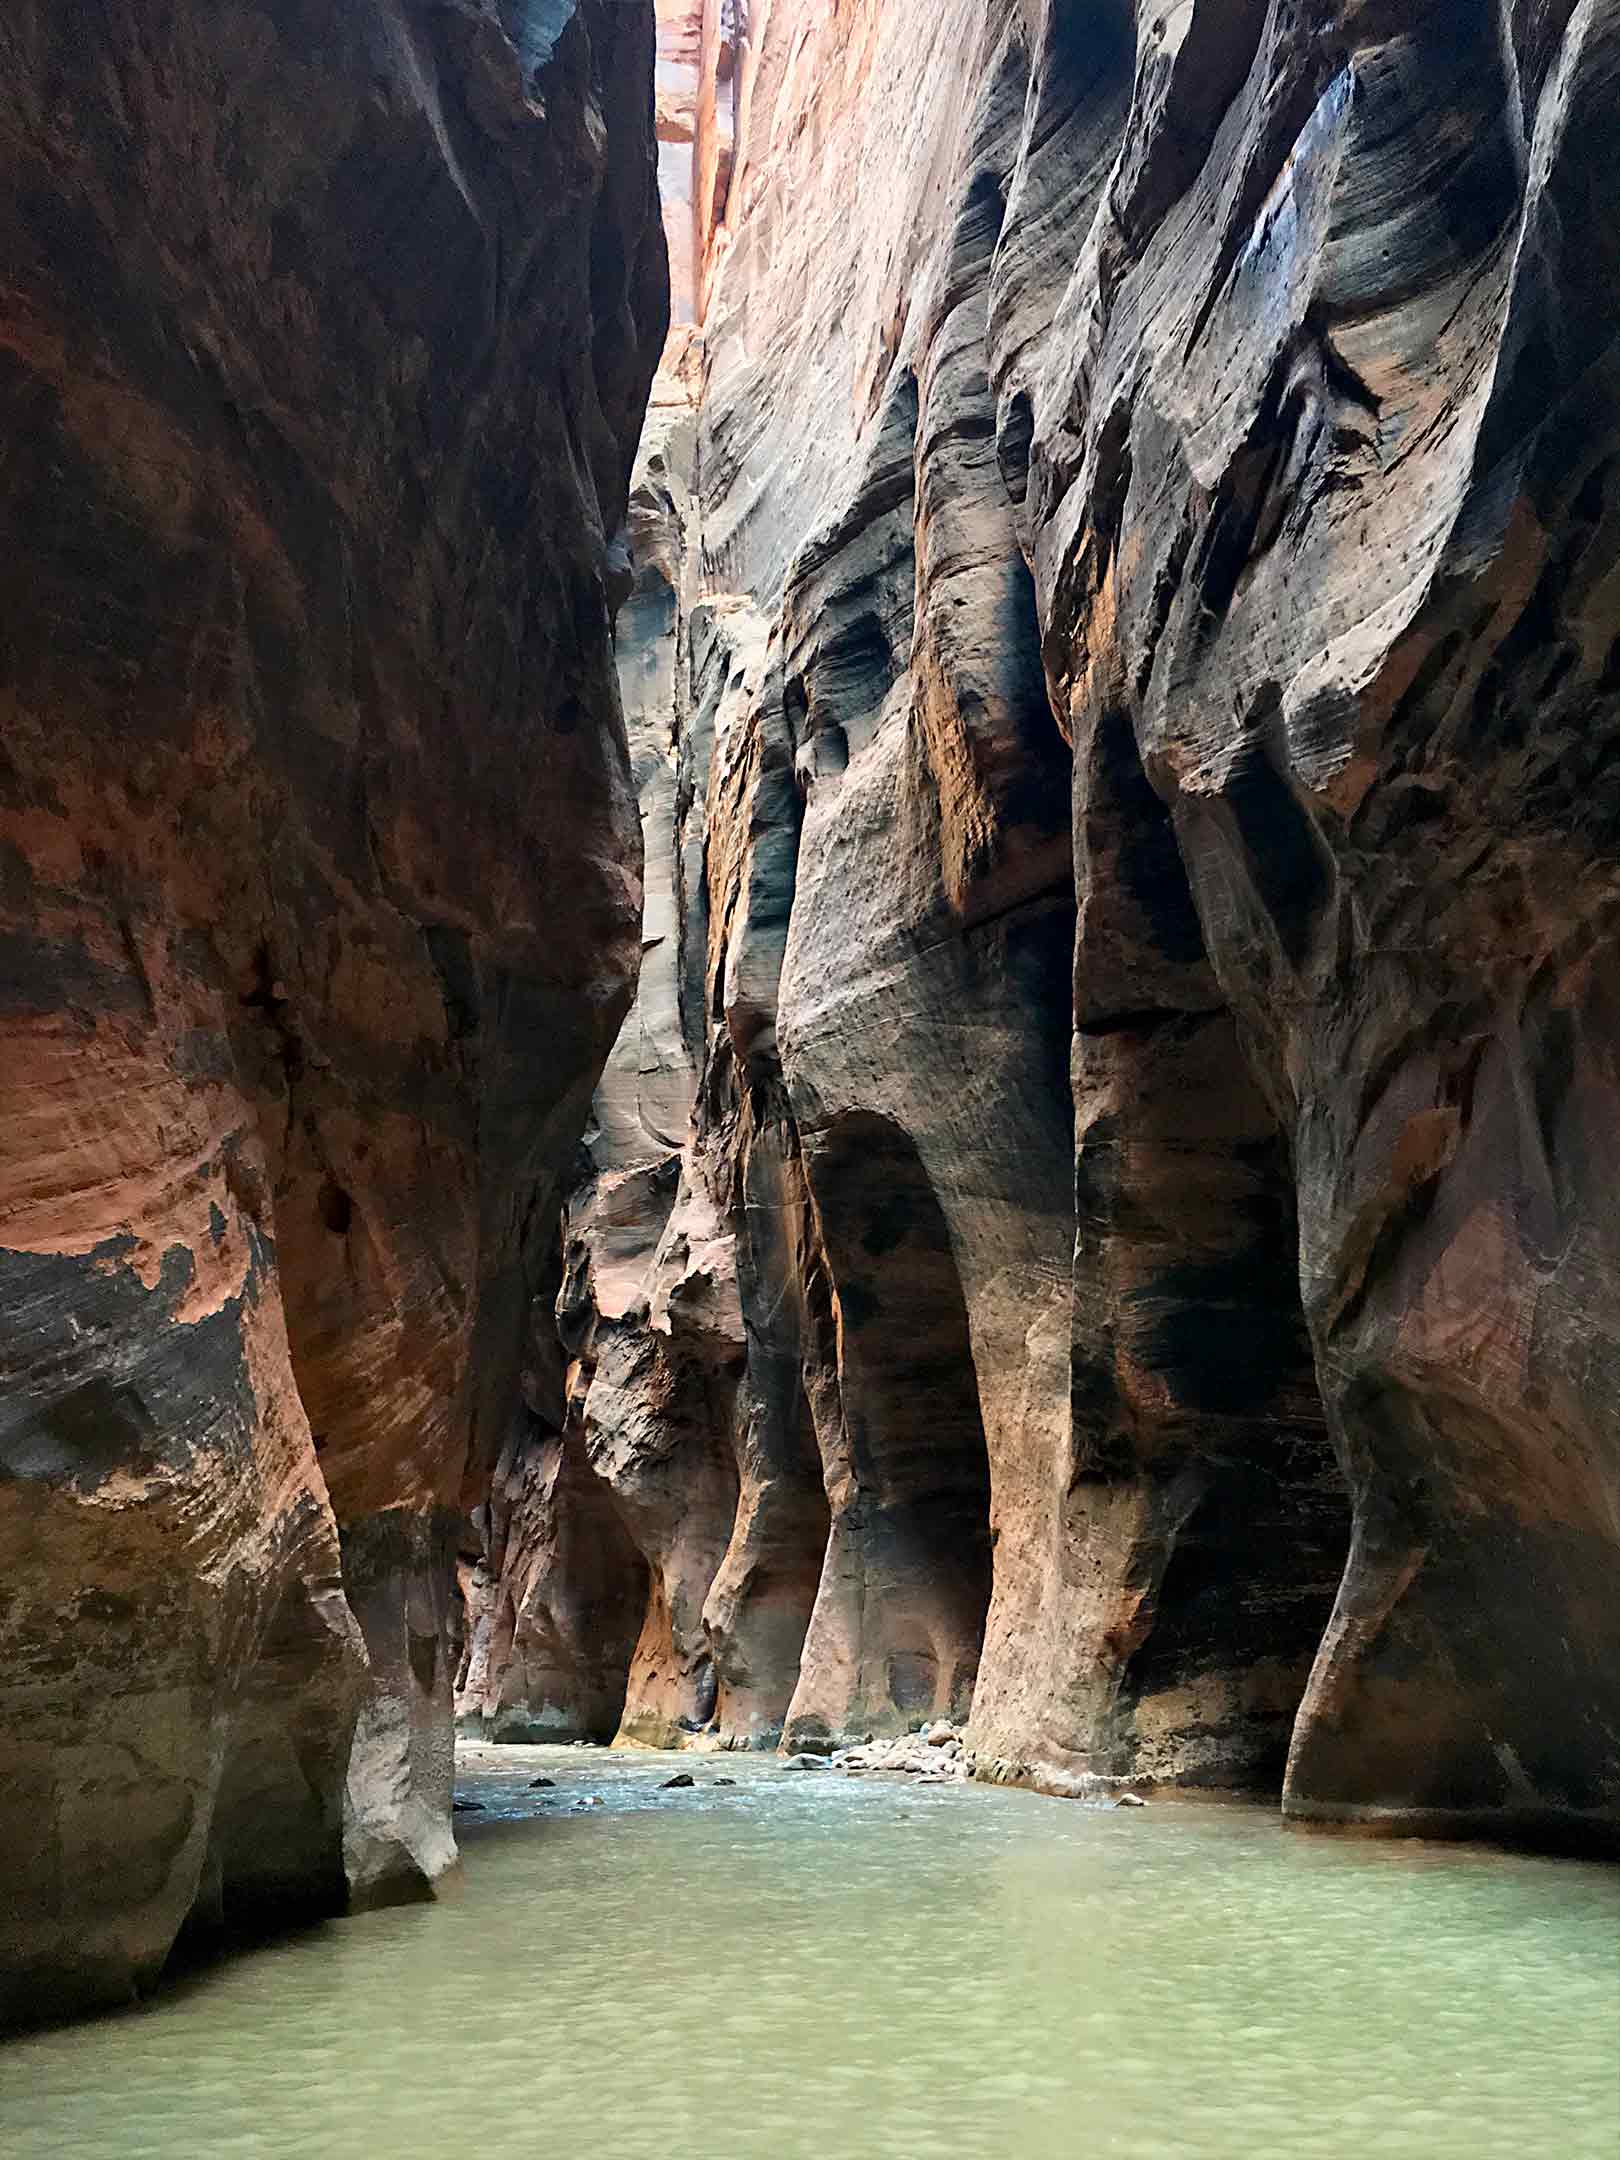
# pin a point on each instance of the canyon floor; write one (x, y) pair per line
(806, 1964)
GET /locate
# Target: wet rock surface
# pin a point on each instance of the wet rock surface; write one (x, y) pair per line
(934, 1756)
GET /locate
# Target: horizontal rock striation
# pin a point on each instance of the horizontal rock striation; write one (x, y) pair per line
(325, 336)
(1141, 877)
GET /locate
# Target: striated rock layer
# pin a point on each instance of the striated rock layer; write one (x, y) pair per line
(325, 335)
(1328, 540)
(1137, 894)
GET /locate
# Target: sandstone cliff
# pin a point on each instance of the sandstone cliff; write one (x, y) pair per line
(1094, 1224)
(325, 336)
(1320, 508)
(1142, 605)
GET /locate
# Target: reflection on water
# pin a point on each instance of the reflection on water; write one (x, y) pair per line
(804, 1965)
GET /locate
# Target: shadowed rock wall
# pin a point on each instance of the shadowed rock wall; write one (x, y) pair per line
(1320, 511)
(325, 334)
(1143, 881)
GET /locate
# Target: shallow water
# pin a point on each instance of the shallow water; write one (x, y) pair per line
(806, 1964)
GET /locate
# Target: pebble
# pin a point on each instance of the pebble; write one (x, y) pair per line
(1131, 1799)
(679, 1782)
(468, 1807)
(542, 1784)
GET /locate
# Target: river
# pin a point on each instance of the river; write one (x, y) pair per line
(802, 1964)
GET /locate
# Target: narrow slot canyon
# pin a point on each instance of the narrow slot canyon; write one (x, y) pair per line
(807, 899)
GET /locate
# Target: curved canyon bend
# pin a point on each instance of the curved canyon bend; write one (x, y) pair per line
(810, 1014)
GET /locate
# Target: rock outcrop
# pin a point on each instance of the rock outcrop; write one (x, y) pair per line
(325, 336)
(1137, 1273)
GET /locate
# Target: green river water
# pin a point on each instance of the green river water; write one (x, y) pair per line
(859, 1969)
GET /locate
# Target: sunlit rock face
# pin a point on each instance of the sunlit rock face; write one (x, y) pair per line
(775, 1312)
(325, 344)
(1136, 1271)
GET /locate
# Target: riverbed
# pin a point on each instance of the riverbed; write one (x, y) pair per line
(803, 1964)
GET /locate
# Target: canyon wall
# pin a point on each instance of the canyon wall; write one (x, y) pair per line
(1137, 895)
(1320, 503)
(325, 337)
